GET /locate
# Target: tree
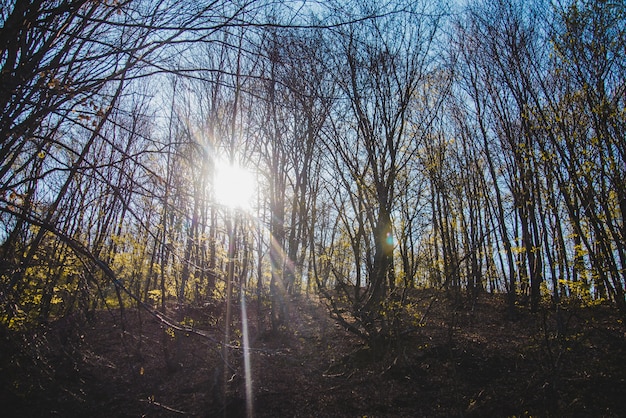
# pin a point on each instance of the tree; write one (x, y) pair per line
(66, 65)
(583, 146)
(380, 66)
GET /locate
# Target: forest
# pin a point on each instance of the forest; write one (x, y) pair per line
(312, 208)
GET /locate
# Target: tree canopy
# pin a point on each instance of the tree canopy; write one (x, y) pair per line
(392, 146)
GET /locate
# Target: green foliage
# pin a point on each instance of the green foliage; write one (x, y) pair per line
(581, 292)
(154, 296)
(413, 314)
(188, 321)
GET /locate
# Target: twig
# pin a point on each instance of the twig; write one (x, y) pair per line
(160, 405)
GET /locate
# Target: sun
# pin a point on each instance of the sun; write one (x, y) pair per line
(234, 185)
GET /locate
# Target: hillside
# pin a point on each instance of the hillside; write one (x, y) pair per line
(467, 359)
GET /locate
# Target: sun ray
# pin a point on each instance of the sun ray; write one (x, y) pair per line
(246, 357)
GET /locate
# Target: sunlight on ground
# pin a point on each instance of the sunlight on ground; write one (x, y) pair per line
(234, 186)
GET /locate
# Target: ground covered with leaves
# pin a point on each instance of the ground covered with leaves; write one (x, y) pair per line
(466, 358)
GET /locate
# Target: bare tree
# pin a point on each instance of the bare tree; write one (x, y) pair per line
(380, 66)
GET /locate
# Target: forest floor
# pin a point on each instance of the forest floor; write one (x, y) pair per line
(467, 359)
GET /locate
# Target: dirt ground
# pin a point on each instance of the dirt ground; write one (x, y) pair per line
(466, 360)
